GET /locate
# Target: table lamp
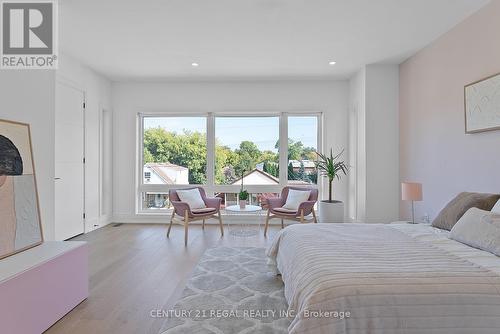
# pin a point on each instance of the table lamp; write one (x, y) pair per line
(411, 191)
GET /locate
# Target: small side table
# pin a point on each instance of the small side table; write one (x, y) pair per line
(244, 230)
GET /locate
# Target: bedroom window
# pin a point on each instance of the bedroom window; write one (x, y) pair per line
(246, 149)
(174, 150)
(215, 150)
(155, 201)
(302, 147)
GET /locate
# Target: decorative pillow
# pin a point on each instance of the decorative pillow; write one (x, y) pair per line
(454, 210)
(479, 229)
(496, 208)
(295, 197)
(192, 197)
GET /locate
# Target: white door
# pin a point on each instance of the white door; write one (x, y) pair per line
(69, 163)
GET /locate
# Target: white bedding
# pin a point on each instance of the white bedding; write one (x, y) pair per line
(396, 278)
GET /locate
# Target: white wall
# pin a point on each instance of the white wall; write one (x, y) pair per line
(28, 96)
(98, 97)
(434, 147)
(374, 144)
(357, 147)
(330, 97)
(382, 143)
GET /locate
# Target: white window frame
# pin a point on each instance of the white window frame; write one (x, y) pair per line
(210, 187)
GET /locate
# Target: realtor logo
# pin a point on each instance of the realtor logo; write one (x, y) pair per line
(29, 39)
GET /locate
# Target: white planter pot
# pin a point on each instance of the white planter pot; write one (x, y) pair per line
(331, 212)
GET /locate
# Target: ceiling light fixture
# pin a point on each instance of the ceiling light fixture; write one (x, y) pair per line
(195, 64)
(332, 63)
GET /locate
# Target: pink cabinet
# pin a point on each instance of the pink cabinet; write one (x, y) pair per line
(40, 285)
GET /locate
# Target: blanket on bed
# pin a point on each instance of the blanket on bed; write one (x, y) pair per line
(371, 278)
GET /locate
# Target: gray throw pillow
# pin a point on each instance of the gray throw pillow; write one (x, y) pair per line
(478, 229)
(456, 208)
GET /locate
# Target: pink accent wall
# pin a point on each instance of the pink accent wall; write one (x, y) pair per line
(434, 148)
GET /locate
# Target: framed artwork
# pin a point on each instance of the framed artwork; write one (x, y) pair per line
(20, 225)
(482, 105)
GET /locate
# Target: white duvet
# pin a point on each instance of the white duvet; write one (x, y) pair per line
(374, 278)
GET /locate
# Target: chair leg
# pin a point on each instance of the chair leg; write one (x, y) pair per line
(170, 225)
(186, 224)
(203, 224)
(314, 215)
(267, 222)
(221, 225)
(302, 216)
(282, 223)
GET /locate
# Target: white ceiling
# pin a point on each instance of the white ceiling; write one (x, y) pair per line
(231, 39)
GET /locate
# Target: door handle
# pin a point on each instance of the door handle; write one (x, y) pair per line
(57, 178)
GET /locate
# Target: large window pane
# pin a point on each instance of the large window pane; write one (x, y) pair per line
(155, 201)
(175, 150)
(248, 147)
(302, 147)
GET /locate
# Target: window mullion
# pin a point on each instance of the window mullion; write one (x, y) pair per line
(140, 161)
(210, 152)
(283, 150)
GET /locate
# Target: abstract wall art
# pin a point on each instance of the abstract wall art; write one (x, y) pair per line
(482, 105)
(20, 226)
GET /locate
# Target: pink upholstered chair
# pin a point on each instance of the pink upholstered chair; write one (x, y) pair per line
(182, 209)
(306, 208)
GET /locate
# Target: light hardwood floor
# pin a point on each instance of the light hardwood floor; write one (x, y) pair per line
(134, 269)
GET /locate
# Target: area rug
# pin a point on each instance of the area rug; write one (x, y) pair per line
(231, 291)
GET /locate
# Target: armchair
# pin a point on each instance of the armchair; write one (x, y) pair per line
(306, 208)
(183, 214)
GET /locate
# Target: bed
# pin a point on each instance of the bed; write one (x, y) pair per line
(385, 278)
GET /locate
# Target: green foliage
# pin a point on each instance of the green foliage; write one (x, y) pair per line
(148, 157)
(243, 195)
(314, 178)
(291, 173)
(297, 151)
(332, 168)
(309, 153)
(224, 162)
(271, 168)
(269, 156)
(249, 155)
(301, 175)
(188, 149)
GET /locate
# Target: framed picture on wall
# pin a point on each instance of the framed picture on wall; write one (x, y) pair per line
(482, 105)
(20, 225)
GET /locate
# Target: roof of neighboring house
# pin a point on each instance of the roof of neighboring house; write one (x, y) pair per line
(165, 164)
(272, 178)
(269, 176)
(157, 168)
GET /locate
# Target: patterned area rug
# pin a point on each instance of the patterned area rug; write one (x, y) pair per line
(231, 292)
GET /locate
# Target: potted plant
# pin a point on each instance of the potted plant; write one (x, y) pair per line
(243, 194)
(331, 167)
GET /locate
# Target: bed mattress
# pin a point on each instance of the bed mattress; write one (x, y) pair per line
(385, 278)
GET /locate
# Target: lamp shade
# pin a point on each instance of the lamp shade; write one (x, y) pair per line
(411, 191)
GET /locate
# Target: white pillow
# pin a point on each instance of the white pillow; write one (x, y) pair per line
(192, 197)
(496, 208)
(295, 197)
(479, 229)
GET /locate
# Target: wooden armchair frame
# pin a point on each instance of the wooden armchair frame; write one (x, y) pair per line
(182, 213)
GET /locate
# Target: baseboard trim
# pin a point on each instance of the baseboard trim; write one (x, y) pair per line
(165, 219)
